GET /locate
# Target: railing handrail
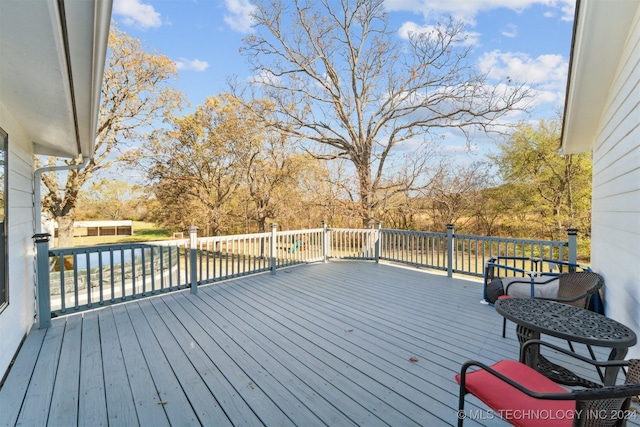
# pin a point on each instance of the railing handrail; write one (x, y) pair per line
(231, 236)
(410, 232)
(116, 246)
(130, 270)
(513, 239)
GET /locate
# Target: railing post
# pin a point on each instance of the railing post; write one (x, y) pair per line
(572, 236)
(44, 292)
(325, 241)
(450, 243)
(272, 250)
(193, 242)
(378, 241)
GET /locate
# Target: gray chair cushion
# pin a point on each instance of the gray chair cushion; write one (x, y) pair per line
(522, 289)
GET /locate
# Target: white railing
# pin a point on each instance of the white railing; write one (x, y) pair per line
(417, 248)
(348, 243)
(80, 278)
(224, 257)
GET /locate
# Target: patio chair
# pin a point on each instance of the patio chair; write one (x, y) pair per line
(528, 270)
(573, 284)
(575, 289)
(524, 397)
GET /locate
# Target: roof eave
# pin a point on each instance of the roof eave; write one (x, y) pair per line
(600, 32)
(53, 56)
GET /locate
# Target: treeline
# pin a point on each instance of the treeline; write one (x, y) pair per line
(203, 172)
(326, 130)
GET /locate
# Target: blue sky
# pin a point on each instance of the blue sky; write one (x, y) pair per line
(525, 40)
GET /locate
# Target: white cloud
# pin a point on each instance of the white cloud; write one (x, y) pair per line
(462, 149)
(549, 70)
(135, 13)
(470, 38)
(546, 75)
(466, 10)
(509, 31)
(265, 77)
(239, 17)
(192, 65)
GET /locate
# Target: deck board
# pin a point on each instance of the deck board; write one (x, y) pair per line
(15, 387)
(35, 408)
(196, 393)
(279, 404)
(121, 408)
(145, 394)
(278, 365)
(390, 368)
(235, 408)
(320, 344)
(229, 360)
(64, 405)
(340, 347)
(172, 397)
(92, 401)
(303, 369)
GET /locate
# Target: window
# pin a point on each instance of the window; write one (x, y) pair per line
(4, 277)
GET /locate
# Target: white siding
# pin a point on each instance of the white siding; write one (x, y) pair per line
(616, 191)
(18, 317)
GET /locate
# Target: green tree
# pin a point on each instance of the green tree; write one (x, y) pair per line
(341, 80)
(136, 91)
(554, 190)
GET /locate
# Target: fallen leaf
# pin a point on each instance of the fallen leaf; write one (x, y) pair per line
(251, 385)
(349, 330)
(162, 402)
(413, 359)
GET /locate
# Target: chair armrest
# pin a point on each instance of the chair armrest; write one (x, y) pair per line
(609, 392)
(509, 268)
(569, 265)
(536, 395)
(601, 363)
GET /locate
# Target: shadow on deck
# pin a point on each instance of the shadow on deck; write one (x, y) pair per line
(320, 344)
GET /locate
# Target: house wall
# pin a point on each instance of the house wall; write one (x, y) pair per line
(615, 240)
(18, 317)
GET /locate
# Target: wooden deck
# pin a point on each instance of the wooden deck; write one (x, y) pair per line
(321, 344)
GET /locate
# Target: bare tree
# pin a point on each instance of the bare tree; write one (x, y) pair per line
(342, 79)
(454, 192)
(272, 185)
(135, 92)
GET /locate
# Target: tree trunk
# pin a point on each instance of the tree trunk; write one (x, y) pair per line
(366, 193)
(65, 231)
(262, 224)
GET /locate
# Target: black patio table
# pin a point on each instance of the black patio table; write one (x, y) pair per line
(535, 316)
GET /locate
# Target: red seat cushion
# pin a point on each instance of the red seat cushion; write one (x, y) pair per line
(505, 297)
(514, 405)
